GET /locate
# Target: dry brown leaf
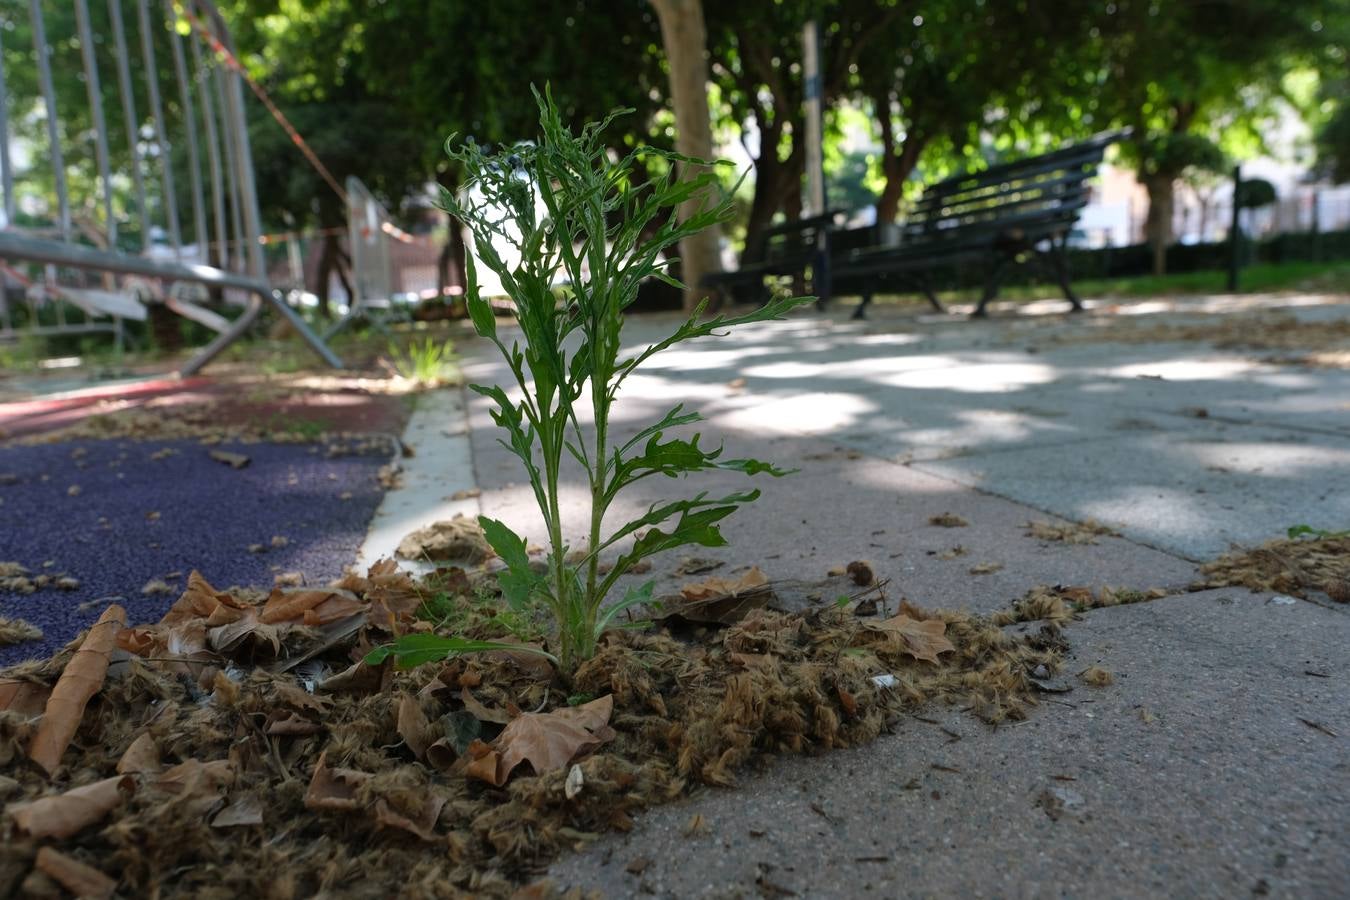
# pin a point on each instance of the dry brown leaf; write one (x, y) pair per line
(25, 698)
(413, 726)
(546, 741)
(333, 789)
(313, 606)
(233, 460)
(531, 664)
(719, 601)
(193, 776)
(63, 815)
(481, 712)
(985, 568)
(244, 811)
(291, 724)
(201, 601)
(82, 880)
(81, 680)
(141, 757)
(422, 826)
(248, 627)
(921, 639)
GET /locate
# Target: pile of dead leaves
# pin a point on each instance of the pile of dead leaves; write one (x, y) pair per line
(1297, 567)
(242, 746)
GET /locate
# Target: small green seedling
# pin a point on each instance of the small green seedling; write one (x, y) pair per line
(577, 218)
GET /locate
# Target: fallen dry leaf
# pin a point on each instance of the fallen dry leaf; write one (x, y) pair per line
(1096, 676)
(480, 712)
(413, 726)
(546, 741)
(233, 460)
(921, 639)
(333, 789)
(81, 680)
(719, 601)
(24, 698)
(985, 568)
(311, 606)
(82, 880)
(201, 601)
(246, 810)
(62, 815)
(141, 757)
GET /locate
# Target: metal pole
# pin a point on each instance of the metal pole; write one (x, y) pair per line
(1235, 232)
(212, 152)
(161, 138)
(231, 169)
(190, 121)
(53, 129)
(129, 114)
(95, 92)
(6, 168)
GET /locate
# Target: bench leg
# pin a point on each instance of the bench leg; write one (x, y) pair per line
(926, 286)
(861, 311)
(1060, 267)
(991, 282)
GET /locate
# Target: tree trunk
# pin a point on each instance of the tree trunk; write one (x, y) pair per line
(1158, 224)
(685, 39)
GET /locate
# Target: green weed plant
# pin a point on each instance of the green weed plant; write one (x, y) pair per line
(594, 225)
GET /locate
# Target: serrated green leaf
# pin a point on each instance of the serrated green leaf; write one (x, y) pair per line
(518, 580)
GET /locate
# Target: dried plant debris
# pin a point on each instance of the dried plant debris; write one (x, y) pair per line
(17, 579)
(1085, 532)
(1294, 567)
(1060, 603)
(16, 631)
(1097, 676)
(947, 520)
(459, 540)
(1324, 342)
(201, 422)
(244, 748)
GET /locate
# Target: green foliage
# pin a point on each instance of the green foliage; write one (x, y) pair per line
(1254, 193)
(1298, 531)
(1173, 154)
(424, 363)
(581, 220)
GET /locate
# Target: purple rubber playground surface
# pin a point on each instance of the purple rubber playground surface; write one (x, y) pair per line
(107, 536)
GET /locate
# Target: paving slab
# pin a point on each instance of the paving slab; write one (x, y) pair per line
(1195, 775)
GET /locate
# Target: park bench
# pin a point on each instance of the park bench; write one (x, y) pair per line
(787, 249)
(1010, 213)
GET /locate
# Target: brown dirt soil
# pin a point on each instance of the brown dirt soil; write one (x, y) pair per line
(241, 747)
(1293, 567)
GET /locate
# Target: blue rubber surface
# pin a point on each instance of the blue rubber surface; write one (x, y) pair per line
(209, 514)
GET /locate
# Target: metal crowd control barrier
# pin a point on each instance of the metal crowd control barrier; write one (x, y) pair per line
(369, 233)
(77, 247)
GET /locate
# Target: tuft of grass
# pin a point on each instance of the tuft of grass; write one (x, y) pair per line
(423, 363)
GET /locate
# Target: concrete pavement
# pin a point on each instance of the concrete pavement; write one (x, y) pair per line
(1196, 774)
